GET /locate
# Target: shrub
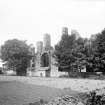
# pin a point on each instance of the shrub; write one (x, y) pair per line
(74, 74)
(94, 99)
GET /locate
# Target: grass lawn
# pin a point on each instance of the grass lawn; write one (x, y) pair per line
(17, 93)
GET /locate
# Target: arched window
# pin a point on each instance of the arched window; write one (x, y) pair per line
(45, 60)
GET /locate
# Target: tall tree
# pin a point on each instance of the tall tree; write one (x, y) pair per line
(15, 53)
(70, 53)
(98, 52)
(80, 52)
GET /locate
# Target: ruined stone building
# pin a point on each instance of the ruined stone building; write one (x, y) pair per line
(43, 62)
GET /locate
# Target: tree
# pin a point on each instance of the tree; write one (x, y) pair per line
(70, 53)
(98, 52)
(15, 53)
(62, 52)
(80, 52)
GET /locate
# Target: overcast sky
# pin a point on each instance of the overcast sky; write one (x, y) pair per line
(30, 19)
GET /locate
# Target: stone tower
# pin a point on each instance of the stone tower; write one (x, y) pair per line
(39, 46)
(47, 42)
(64, 31)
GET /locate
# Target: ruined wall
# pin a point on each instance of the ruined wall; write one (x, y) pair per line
(47, 42)
(43, 59)
(39, 46)
(31, 65)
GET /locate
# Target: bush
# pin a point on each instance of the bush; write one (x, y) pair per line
(94, 99)
(64, 76)
(74, 74)
(84, 74)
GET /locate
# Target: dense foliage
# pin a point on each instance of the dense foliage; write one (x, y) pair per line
(16, 55)
(74, 54)
(70, 53)
(94, 99)
(98, 52)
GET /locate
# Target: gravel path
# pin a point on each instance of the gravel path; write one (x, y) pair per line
(81, 85)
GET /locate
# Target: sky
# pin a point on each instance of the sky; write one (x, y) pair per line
(31, 19)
